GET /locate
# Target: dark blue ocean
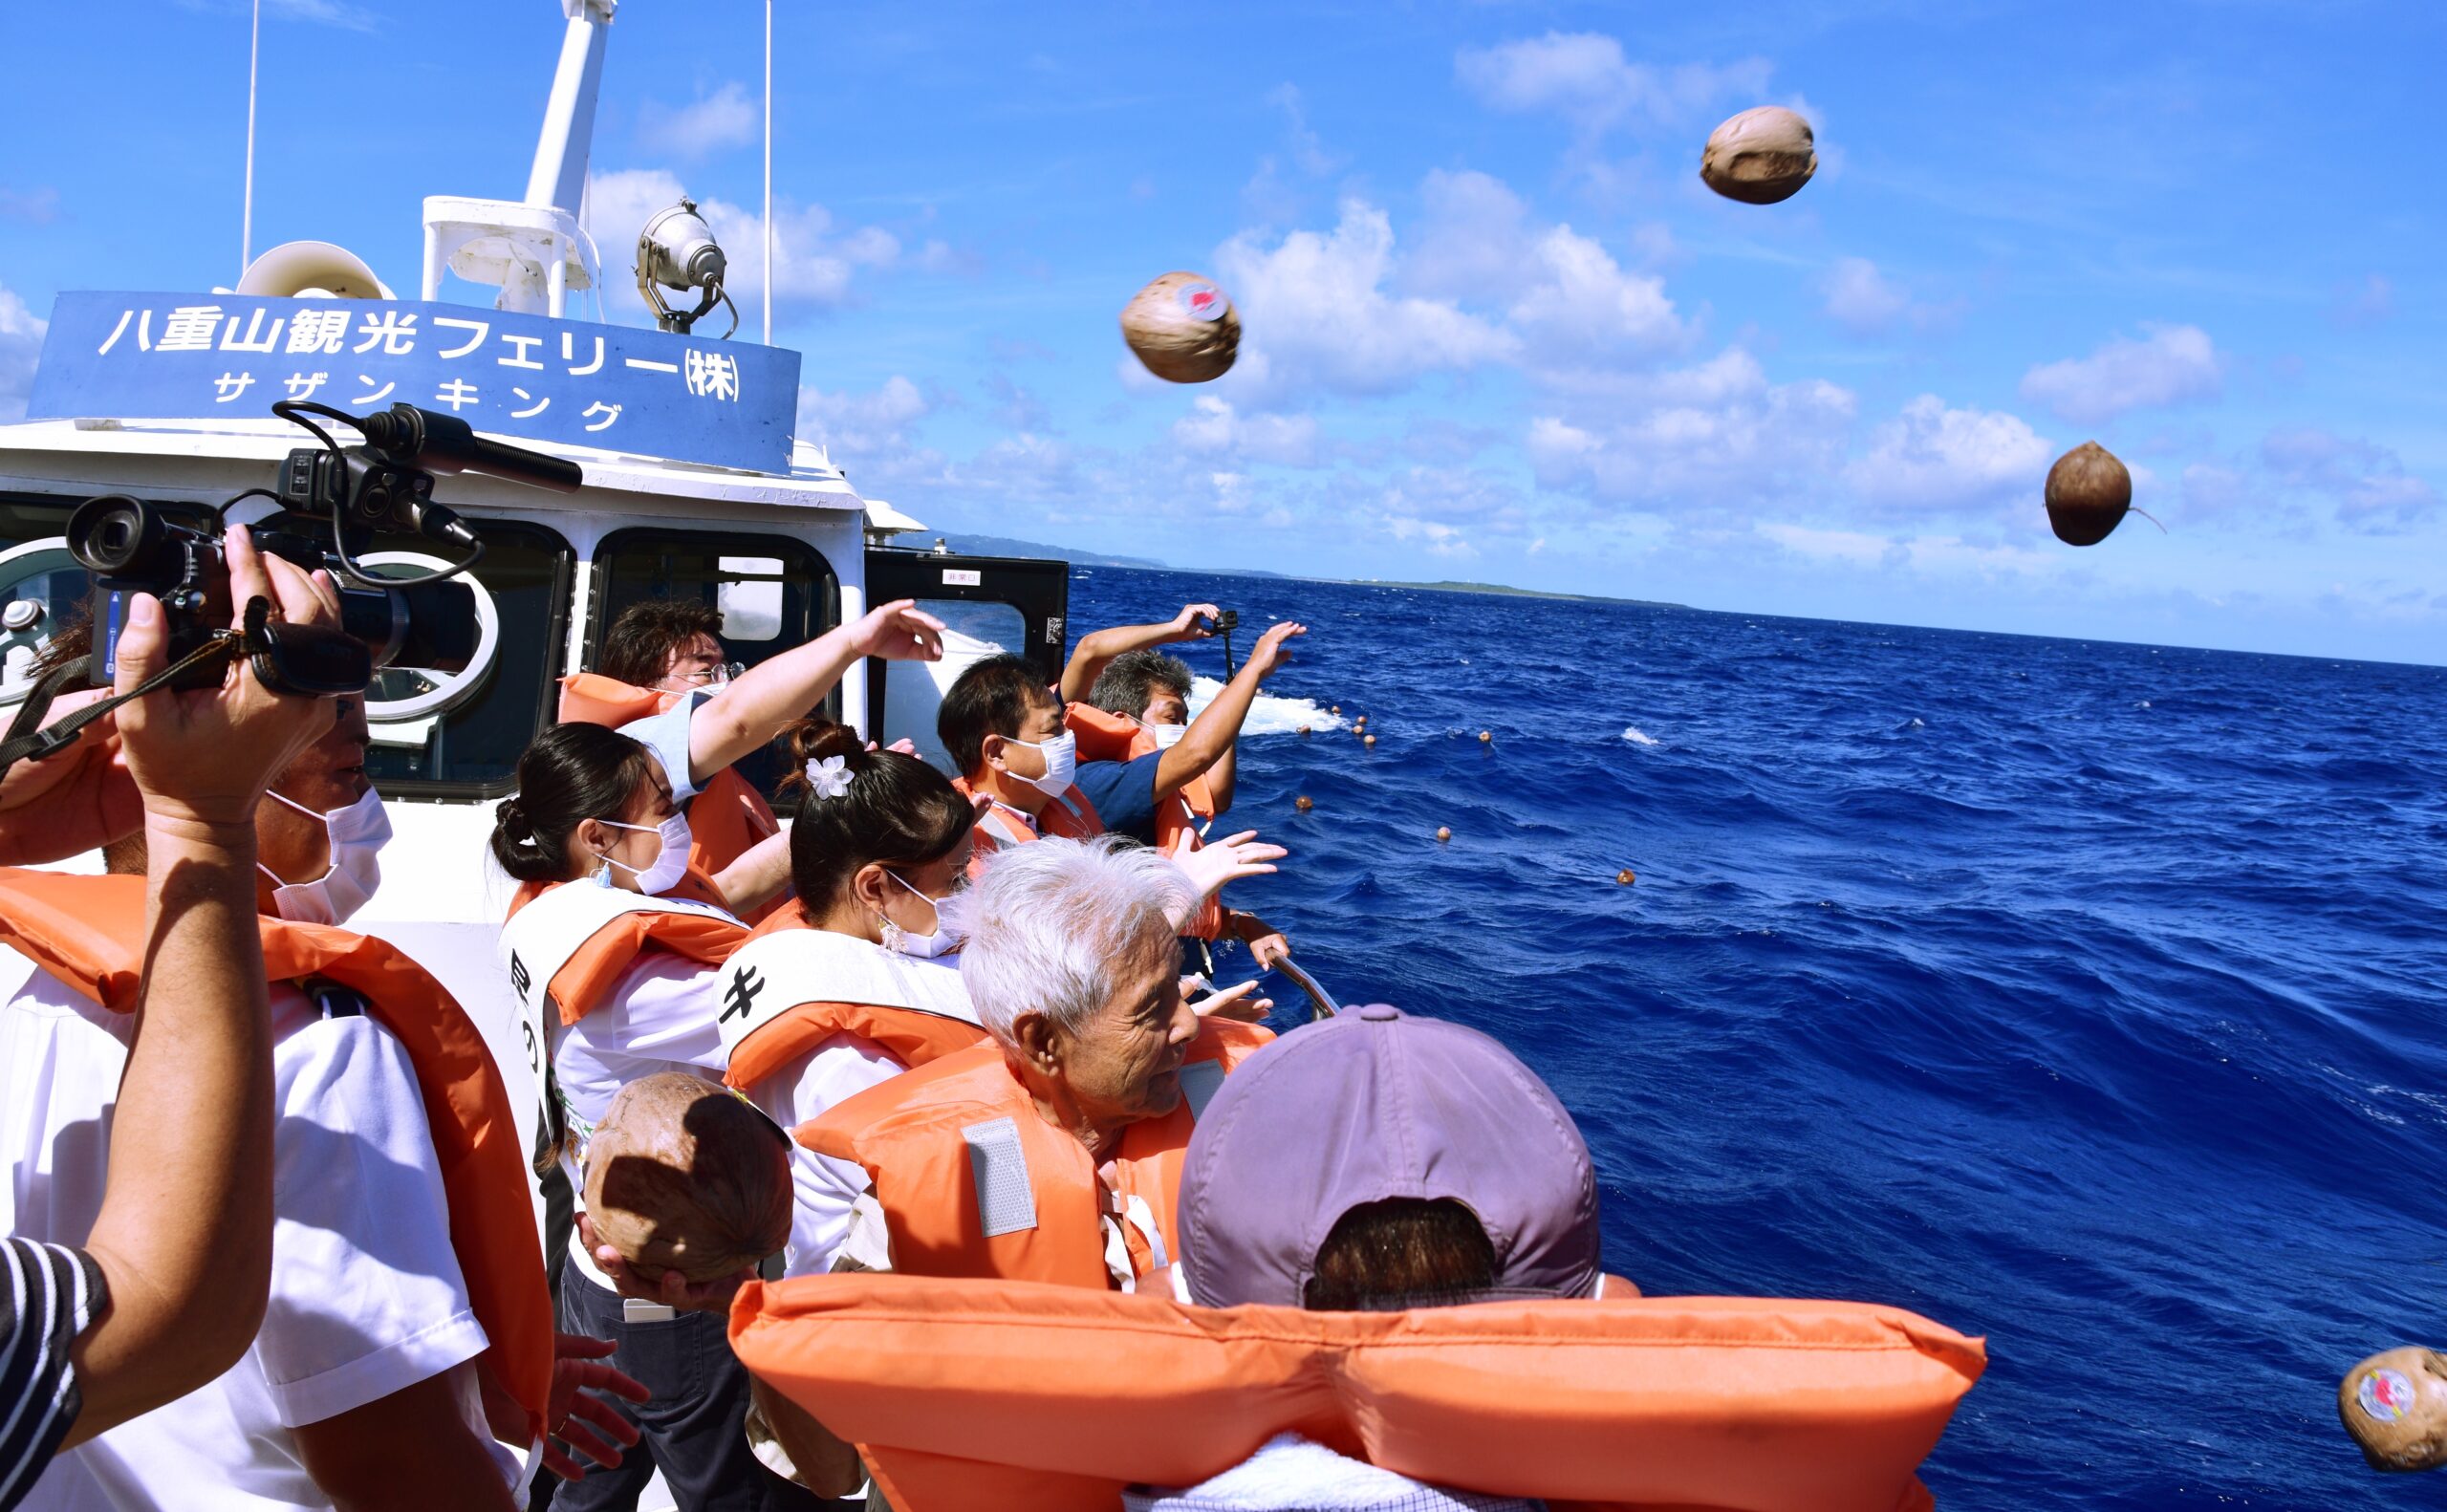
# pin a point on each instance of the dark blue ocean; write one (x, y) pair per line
(2082, 996)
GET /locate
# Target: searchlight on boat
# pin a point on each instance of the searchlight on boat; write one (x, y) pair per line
(678, 250)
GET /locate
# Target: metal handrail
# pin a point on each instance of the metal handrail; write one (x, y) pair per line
(1325, 1008)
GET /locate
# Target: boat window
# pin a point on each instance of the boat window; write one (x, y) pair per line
(772, 592)
(445, 735)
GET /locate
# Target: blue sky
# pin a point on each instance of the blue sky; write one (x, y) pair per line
(1495, 327)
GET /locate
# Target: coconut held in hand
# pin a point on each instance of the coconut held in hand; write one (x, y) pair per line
(1183, 327)
(2087, 494)
(1759, 155)
(682, 1175)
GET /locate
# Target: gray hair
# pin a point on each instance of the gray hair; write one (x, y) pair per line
(1130, 680)
(1052, 924)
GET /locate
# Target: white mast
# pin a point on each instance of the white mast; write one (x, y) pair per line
(559, 175)
(768, 170)
(247, 216)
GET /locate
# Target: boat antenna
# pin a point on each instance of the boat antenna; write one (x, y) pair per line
(246, 215)
(768, 170)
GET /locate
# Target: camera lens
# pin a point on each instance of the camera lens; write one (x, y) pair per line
(430, 626)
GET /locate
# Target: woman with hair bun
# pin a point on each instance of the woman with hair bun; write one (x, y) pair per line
(614, 948)
(870, 986)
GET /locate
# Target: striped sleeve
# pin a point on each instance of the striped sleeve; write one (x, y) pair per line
(50, 1294)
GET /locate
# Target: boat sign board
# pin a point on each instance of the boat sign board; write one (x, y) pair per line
(650, 393)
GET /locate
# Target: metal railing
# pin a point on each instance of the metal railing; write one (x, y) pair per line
(1325, 1005)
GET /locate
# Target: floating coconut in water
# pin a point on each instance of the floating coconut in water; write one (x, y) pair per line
(1761, 156)
(1183, 328)
(2395, 1404)
(2088, 494)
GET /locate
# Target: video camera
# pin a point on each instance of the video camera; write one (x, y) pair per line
(130, 546)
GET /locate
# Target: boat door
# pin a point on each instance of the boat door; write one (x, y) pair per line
(990, 603)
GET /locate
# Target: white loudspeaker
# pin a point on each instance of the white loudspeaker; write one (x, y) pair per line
(311, 271)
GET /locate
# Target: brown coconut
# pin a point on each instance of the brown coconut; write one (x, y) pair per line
(1759, 155)
(1183, 328)
(2395, 1404)
(2087, 494)
(682, 1175)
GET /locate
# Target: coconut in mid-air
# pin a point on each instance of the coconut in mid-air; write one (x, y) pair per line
(2088, 494)
(1759, 155)
(1183, 328)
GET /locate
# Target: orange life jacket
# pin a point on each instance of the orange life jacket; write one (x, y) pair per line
(1033, 1398)
(89, 932)
(1118, 737)
(1072, 817)
(974, 1182)
(566, 953)
(727, 816)
(785, 992)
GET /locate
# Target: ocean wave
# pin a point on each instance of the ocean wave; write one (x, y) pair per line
(1636, 736)
(1270, 714)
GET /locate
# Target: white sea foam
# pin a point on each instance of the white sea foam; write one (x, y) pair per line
(1636, 736)
(1269, 715)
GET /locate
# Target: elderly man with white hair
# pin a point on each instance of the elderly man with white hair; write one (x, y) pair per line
(1053, 1152)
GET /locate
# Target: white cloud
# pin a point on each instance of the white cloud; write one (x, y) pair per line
(728, 118)
(816, 263)
(2168, 365)
(1933, 556)
(1213, 426)
(1584, 78)
(1474, 239)
(1866, 302)
(1716, 435)
(868, 434)
(2365, 482)
(2364, 301)
(20, 345)
(1932, 458)
(1587, 307)
(1318, 313)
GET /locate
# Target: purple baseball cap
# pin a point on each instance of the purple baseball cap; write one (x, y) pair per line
(1374, 1104)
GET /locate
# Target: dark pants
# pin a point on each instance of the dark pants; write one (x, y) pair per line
(693, 1427)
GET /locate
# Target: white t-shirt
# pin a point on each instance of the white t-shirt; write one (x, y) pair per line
(367, 1298)
(658, 1016)
(822, 1187)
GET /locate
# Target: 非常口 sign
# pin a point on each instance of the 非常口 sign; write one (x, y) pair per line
(652, 393)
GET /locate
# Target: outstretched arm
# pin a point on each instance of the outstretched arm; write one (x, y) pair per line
(1095, 650)
(183, 1237)
(1211, 736)
(768, 695)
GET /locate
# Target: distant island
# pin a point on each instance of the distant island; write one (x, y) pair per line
(1012, 546)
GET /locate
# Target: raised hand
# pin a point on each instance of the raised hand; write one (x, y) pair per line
(899, 632)
(206, 756)
(1210, 866)
(1268, 655)
(1194, 622)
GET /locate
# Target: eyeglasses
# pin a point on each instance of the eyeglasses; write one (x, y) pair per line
(713, 677)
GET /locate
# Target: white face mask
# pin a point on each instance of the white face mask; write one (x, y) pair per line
(357, 835)
(926, 947)
(668, 867)
(1061, 757)
(1166, 736)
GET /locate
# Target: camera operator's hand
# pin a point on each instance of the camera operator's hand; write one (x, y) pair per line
(1194, 622)
(899, 632)
(1268, 655)
(206, 757)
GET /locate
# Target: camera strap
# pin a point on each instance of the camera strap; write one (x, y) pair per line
(29, 740)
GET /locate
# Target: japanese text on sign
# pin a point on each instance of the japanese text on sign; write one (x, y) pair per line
(652, 393)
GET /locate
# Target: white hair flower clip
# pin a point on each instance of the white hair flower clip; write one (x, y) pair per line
(830, 778)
